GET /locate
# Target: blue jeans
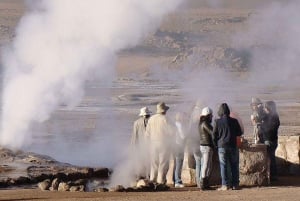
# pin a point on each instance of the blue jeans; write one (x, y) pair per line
(271, 148)
(229, 158)
(178, 167)
(206, 161)
(197, 156)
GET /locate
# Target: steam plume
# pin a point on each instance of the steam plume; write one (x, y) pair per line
(59, 45)
(273, 40)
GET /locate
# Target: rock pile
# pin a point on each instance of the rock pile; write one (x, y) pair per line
(59, 185)
(22, 168)
(142, 185)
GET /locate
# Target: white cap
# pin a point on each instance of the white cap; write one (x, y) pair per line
(144, 111)
(206, 111)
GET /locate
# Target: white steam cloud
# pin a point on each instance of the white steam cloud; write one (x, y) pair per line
(59, 45)
(272, 38)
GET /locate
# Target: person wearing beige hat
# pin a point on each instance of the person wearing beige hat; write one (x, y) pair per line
(139, 143)
(159, 132)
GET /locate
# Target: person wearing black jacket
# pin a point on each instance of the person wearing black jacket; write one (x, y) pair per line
(270, 128)
(206, 146)
(225, 132)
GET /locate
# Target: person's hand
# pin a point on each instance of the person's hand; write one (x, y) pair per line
(268, 143)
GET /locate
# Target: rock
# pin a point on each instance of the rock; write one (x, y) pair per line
(101, 172)
(254, 168)
(80, 182)
(79, 188)
(63, 186)
(148, 188)
(293, 154)
(255, 179)
(142, 182)
(44, 185)
(101, 190)
(253, 160)
(288, 155)
(118, 188)
(54, 184)
(161, 187)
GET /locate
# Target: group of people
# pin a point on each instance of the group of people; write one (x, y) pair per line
(266, 123)
(155, 137)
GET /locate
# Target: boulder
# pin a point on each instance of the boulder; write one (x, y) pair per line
(55, 184)
(44, 185)
(254, 168)
(63, 186)
(118, 188)
(79, 188)
(288, 155)
(142, 183)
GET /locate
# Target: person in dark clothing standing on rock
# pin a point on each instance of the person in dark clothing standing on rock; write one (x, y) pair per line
(225, 133)
(270, 128)
(206, 146)
(257, 117)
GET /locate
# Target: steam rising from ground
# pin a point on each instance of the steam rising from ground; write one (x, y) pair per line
(62, 43)
(59, 45)
(273, 40)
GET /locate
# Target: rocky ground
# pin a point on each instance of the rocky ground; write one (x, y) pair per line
(277, 193)
(198, 36)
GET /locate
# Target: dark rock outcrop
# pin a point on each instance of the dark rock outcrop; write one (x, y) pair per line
(21, 168)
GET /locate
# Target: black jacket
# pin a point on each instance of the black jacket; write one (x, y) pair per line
(270, 128)
(205, 132)
(226, 129)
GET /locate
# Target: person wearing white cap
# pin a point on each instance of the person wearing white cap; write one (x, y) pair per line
(206, 146)
(159, 132)
(139, 142)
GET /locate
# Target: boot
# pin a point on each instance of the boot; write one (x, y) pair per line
(206, 184)
(202, 183)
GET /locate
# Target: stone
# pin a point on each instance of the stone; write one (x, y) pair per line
(288, 155)
(79, 188)
(63, 186)
(142, 183)
(101, 190)
(44, 185)
(118, 188)
(55, 183)
(293, 154)
(80, 182)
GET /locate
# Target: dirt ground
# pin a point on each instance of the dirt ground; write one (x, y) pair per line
(286, 189)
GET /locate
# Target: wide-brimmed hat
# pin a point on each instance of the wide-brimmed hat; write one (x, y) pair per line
(255, 101)
(145, 111)
(206, 111)
(161, 107)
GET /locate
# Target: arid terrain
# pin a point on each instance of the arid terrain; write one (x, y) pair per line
(199, 37)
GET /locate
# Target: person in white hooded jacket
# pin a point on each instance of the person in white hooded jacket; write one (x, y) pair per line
(159, 132)
(139, 144)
